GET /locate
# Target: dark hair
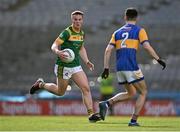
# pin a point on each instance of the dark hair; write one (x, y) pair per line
(131, 13)
(77, 12)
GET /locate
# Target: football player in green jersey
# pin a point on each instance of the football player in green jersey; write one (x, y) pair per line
(73, 38)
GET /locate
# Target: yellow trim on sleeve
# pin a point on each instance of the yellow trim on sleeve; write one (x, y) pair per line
(59, 41)
(143, 35)
(112, 41)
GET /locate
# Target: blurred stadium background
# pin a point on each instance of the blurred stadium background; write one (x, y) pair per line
(29, 27)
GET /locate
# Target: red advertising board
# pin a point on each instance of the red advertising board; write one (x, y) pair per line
(159, 108)
(24, 108)
(151, 108)
(67, 107)
(76, 107)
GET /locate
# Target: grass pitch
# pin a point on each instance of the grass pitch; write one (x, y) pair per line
(80, 123)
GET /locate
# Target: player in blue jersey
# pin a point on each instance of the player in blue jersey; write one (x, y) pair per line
(126, 41)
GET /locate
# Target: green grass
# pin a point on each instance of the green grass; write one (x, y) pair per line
(80, 123)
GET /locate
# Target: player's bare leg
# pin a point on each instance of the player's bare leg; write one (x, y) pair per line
(58, 89)
(131, 92)
(82, 82)
(142, 89)
(123, 96)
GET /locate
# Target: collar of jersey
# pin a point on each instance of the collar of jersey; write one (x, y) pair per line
(75, 30)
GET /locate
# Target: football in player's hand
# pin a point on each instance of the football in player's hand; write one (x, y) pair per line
(70, 55)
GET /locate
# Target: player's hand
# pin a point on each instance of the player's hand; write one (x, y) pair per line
(61, 55)
(162, 63)
(90, 65)
(105, 73)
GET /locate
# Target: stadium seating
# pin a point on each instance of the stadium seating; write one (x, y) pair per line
(5, 4)
(27, 33)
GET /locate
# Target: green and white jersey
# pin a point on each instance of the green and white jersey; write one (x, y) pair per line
(74, 41)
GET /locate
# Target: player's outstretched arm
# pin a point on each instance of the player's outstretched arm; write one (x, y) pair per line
(152, 52)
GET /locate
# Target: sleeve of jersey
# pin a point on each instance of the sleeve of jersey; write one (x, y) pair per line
(143, 36)
(64, 35)
(112, 41)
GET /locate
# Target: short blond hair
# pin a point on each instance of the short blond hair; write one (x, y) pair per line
(77, 12)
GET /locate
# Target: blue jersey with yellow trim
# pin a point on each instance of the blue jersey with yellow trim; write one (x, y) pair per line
(127, 40)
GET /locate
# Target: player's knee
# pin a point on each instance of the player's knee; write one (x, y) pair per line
(132, 94)
(144, 92)
(61, 92)
(86, 90)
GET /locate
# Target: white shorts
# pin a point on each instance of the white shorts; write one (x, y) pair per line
(66, 72)
(129, 76)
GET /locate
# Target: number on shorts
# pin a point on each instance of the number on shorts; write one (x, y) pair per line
(125, 36)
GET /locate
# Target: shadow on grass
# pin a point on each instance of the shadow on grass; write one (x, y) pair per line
(112, 123)
(142, 126)
(158, 126)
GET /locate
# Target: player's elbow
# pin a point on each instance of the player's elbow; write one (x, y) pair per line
(53, 47)
(109, 48)
(146, 45)
(146, 48)
(107, 51)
